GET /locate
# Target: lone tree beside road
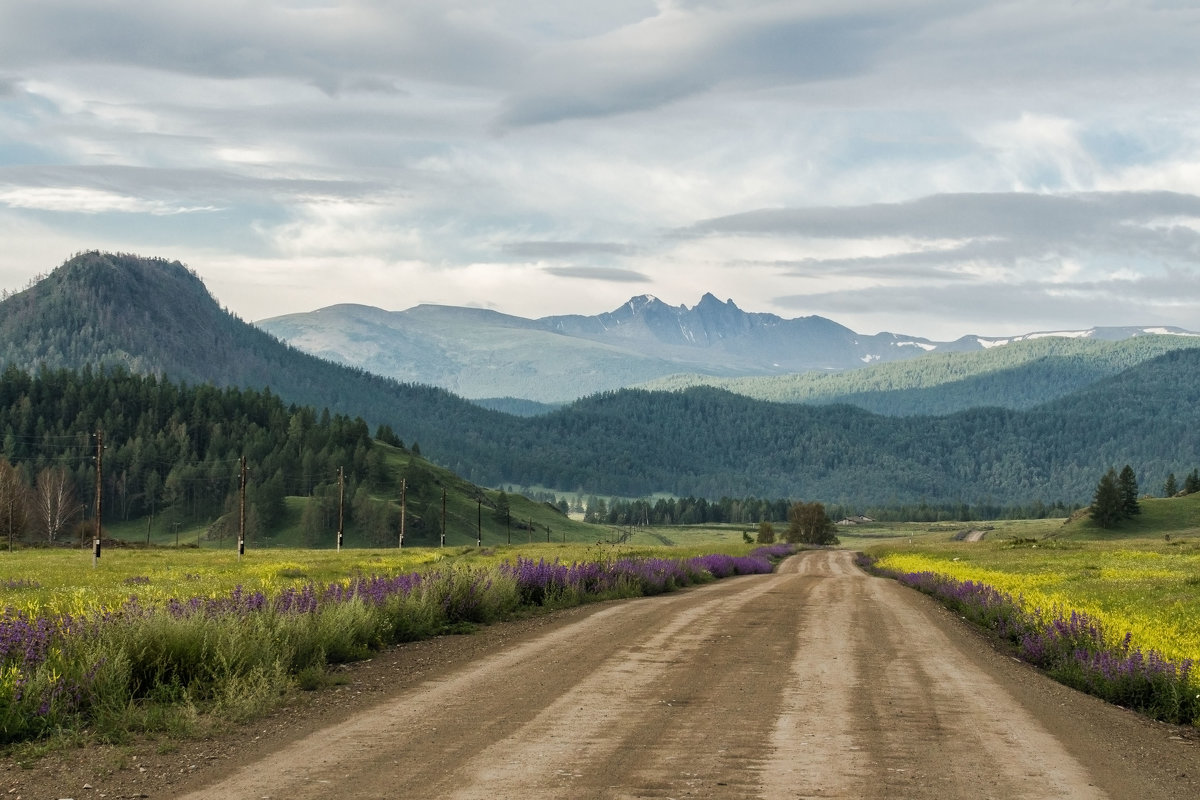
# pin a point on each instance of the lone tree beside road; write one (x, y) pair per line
(809, 524)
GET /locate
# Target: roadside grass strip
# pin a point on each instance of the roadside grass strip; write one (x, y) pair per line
(156, 661)
(1140, 659)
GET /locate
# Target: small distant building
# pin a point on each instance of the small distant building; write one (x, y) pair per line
(856, 520)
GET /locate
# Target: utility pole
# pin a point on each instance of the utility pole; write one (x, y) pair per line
(341, 505)
(443, 517)
(99, 488)
(403, 509)
(12, 508)
(242, 513)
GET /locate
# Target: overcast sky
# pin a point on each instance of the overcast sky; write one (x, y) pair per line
(931, 168)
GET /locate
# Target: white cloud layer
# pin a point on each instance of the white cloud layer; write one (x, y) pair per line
(929, 167)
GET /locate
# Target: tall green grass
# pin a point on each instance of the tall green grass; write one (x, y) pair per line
(171, 658)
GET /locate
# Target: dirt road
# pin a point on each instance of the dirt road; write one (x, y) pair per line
(818, 681)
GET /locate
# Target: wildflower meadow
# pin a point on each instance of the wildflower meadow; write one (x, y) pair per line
(149, 640)
(1118, 620)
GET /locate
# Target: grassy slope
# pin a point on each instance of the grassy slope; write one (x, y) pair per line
(462, 517)
(1141, 578)
(1176, 517)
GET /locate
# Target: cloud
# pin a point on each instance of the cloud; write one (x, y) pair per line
(997, 308)
(947, 231)
(598, 274)
(914, 266)
(168, 185)
(325, 45)
(371, 85)
(551, 250)
(962, 216)
(535, 156)
(682, 51)
(86, 201)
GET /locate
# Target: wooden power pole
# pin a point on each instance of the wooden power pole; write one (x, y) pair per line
(99, 491)
(242, 512)
(341, 505)
(403, 507)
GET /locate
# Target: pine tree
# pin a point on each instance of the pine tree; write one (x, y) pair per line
(1127, 482)
(1192, 483)
(1107, 503)
(1170, 488)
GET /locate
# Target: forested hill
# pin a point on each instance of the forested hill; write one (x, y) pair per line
(153, 316)
(174, 452)
(156, 317)
(710, 442)
(1019, 375)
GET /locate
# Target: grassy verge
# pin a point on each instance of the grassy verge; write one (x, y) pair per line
(170, 654)
(1109, 613)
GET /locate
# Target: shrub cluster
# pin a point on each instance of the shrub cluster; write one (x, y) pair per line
(554, 583)
(1070, 646)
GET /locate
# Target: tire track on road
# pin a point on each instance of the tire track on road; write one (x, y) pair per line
(546, 698)
(815, 682)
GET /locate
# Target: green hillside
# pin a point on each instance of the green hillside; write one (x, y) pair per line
(155, 317)
(172, 462)
(1164, 518)
(702, 442)
(1017, 376)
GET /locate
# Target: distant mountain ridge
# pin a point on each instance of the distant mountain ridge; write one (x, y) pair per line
(155, 316)
(1026, 373)
(479, 353)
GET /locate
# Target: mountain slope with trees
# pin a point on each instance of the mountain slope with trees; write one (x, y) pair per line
(101, 309)
(153, 316)
(171, 451)
(1020, 375)
(173, 455)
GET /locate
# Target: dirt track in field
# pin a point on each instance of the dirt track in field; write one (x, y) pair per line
(817, 681)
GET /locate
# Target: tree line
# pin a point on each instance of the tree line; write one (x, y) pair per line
(172, 451)
(693, 510)
(157, 318)
(1116, 496)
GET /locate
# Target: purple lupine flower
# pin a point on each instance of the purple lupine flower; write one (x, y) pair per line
(1072, 646)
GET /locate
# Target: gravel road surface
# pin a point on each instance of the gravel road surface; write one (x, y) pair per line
(815, 682)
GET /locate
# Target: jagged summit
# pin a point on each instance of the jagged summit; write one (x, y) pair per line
(560, 358)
